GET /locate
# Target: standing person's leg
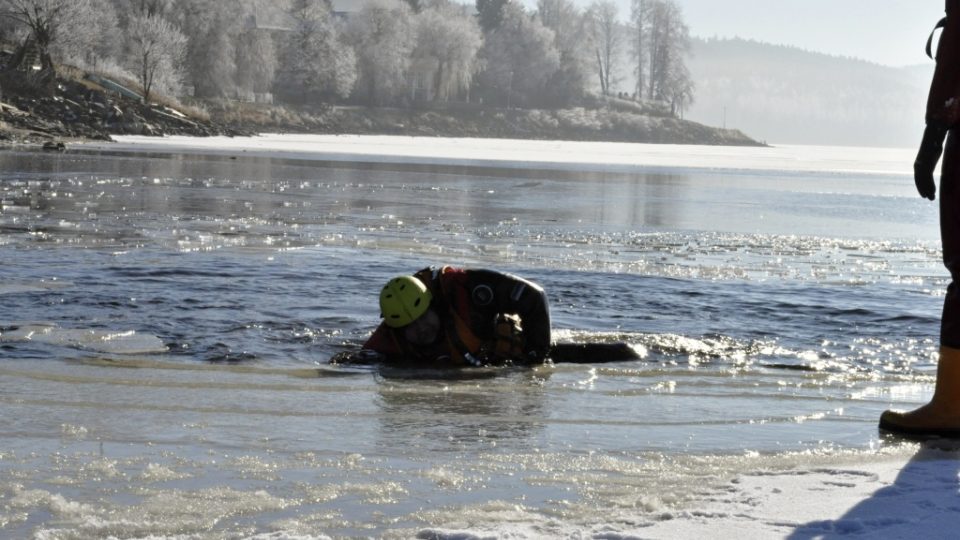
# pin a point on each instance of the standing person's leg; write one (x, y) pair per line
(950, 238)
(942, 415)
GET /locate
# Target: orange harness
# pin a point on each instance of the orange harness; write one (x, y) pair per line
(449, 289)
(463, 346)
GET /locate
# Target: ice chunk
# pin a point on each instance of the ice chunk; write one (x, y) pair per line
(105, 341)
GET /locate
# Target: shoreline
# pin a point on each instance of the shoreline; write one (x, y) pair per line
(527, 154)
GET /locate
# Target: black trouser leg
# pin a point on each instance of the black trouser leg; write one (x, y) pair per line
(950, 237)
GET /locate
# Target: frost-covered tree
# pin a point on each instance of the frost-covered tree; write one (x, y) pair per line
(316, 64)
(606, 39)
(211, 27)
(256, 61)
(679, 88)
(156, 49)
(46, 21)
(448, 40)
(639, 37)
(383, 38)
(569, 28)
(669, 44)
(520, 60)
(149, 7)
(91, 36)
(563, 17)
(490, 14)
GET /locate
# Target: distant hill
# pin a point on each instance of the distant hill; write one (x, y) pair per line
(787, 95)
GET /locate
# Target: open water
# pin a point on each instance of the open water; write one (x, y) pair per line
(166, 323)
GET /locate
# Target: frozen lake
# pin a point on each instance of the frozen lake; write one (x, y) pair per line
(169, 307)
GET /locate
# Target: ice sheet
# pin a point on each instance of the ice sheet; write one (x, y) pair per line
(107, 341)
(533, 153)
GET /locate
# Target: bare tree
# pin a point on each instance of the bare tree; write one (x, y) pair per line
(448, 40)
(607, 41)
(669, 43)
(156, 49)
(382, 36)
(640, 29)
(45, 20)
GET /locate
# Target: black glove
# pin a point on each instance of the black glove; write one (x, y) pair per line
(931, 147)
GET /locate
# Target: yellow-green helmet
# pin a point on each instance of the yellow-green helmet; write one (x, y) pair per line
(403, 300)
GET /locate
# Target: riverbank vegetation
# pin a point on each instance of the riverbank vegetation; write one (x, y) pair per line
(493, 68)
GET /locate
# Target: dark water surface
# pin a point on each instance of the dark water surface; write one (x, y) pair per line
(166, 321)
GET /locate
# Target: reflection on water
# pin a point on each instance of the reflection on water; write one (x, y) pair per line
(504, 414)
(119, 193)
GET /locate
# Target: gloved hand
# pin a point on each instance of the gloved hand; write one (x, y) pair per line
(931, 147)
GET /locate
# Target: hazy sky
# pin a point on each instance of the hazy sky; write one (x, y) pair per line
(891, 32)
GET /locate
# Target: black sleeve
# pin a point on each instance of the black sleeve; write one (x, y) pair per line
(518, 296)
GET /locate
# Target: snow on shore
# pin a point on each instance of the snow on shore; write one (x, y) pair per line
(904, 493)
(899, 498)
(625, 157)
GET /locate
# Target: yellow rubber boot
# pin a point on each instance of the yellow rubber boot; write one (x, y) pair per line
(940, 417)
